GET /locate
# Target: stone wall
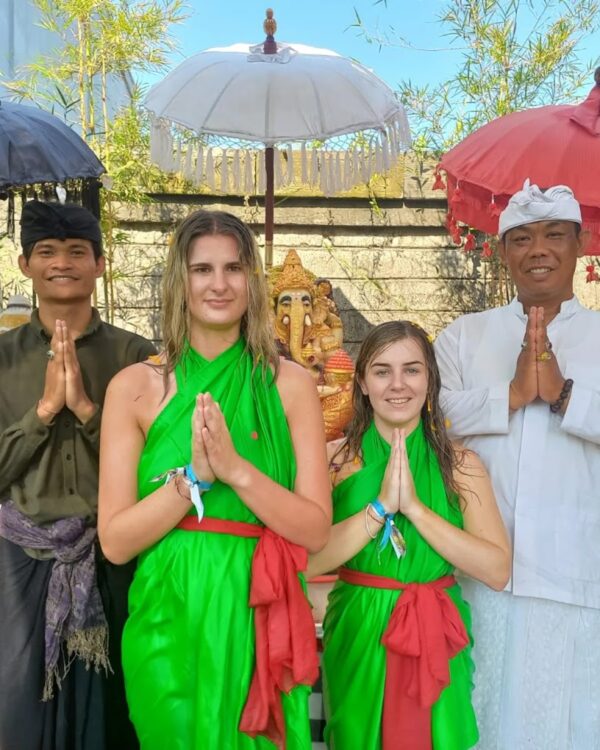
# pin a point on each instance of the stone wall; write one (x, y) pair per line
(389, 258)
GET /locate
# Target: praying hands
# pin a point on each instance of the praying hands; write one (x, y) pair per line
(537, 374)
(64, 385)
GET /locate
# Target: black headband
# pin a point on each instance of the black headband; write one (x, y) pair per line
(58, 221)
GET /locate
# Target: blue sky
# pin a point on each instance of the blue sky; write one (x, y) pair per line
(327, 23)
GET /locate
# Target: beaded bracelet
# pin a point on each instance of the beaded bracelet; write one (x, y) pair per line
(556, 406)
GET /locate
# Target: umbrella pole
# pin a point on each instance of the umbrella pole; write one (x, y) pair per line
(269, 206)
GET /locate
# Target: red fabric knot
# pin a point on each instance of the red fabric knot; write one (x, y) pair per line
(286, 644)
(424, 632)
(286, 649)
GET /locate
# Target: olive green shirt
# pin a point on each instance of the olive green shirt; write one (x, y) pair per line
(51, 471)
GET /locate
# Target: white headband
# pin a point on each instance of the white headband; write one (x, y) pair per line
(531, 204)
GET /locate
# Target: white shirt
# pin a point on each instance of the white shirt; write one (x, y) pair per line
(545, 468)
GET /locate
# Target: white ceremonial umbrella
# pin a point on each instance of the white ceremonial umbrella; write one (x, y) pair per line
(274, 94)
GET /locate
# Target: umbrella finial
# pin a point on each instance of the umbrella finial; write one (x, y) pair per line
(270, 27)
(597, 76)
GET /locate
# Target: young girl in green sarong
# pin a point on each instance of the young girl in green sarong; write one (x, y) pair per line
(409, 508)
(223, 446)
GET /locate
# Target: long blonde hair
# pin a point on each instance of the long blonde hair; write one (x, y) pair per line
(255, 324)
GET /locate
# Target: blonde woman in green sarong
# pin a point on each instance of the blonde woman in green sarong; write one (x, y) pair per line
(409, 508)
(214, 471)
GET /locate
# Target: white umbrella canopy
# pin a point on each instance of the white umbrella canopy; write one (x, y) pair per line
(301, 93)
(345, 121)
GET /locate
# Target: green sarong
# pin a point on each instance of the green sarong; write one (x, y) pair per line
(354, 659)
(189, 642)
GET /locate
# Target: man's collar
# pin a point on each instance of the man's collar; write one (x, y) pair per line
(567, 308)
(36, 324)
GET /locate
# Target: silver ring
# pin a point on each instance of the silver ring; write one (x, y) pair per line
(524, 345)
(50, 354)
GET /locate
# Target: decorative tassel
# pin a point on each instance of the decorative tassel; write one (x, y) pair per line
(324, 175)
(592, 273)
(303, 164)
(457, 195)
(176, 164)
(385, 152)
(339, 175)
(494, 209)
(486, 250)
(224, 171)
(199, 166)
(378, 160)
(261, 172)
(438, 182)
(210, 169)
(249, 173)
(314, 167)
(236, 172)
(469, 242)
(187, 166)
(290, 166)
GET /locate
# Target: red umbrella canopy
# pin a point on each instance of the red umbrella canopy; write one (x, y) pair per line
(552, 145)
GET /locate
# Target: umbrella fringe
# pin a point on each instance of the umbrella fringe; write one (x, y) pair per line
(210, 169)
(224, 171)
(278, 177)
(199, 173)
(261, 171)
(314, 168)
(236, 172)
(187, 166)
(303, 164)
(290, 165)
(249, 173)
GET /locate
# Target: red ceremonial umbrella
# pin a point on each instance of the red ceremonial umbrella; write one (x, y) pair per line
(552, 145)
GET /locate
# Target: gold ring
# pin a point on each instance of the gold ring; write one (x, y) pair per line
(544, 357)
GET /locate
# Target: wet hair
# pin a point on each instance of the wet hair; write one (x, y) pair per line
(377, 340)
(255, 324)
(96, 247)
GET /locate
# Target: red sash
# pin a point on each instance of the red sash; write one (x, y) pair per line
(424, 632)
(286, 651)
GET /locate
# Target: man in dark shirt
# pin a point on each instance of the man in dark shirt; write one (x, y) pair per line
(62, 606)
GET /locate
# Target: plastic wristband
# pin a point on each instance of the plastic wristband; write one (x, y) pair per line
(191, 475)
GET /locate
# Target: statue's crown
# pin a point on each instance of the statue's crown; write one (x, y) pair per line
(291, 275)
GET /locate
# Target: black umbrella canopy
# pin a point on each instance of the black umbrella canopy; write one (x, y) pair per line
(37, 147)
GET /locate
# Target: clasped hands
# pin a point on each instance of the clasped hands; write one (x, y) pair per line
(213, 453)
(63, 385)
(537, 374)
(398, 494)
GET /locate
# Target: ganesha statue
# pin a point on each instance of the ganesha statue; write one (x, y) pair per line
(308, 329)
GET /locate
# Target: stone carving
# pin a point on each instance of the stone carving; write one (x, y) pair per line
(308, 329)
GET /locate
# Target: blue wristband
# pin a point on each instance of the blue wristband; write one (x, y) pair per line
(388, 523)
(200, 483)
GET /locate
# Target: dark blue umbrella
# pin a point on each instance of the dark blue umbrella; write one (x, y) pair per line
(37, 147)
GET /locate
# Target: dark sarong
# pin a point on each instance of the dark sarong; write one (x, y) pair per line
(89, 712)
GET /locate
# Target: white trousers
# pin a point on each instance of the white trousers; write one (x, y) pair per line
(537, 672)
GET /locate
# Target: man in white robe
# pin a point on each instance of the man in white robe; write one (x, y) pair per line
(521, 387)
